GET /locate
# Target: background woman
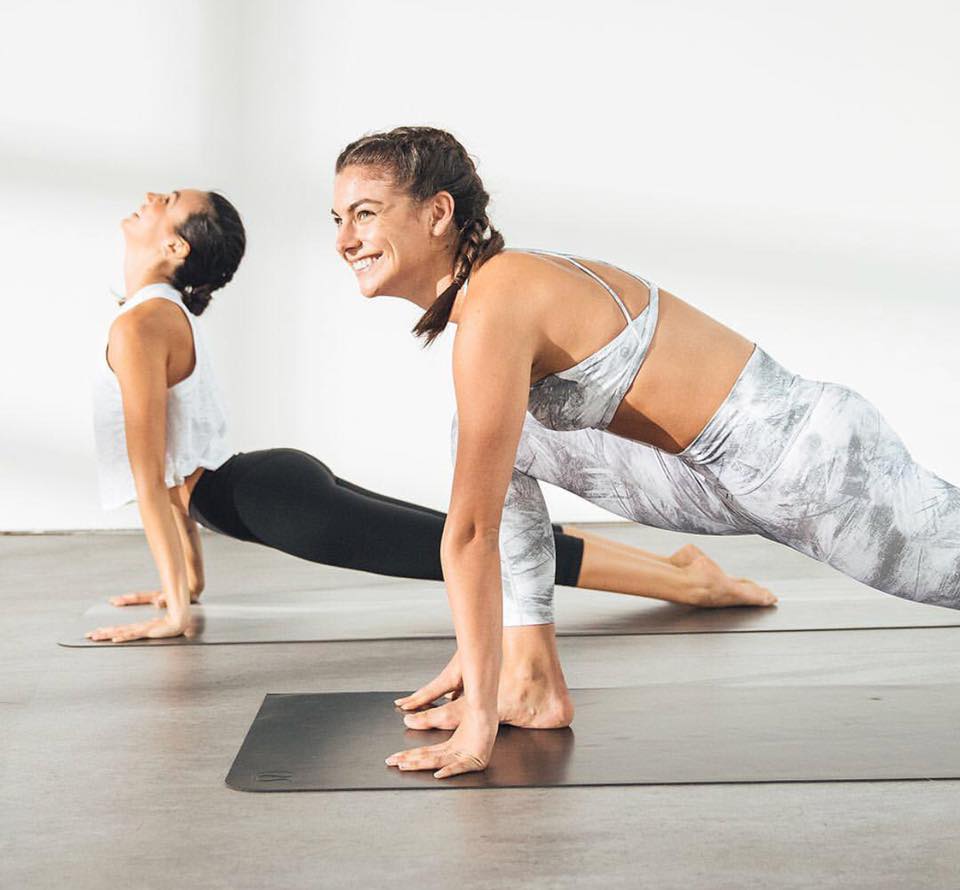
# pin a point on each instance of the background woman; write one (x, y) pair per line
(638, 401)
(160, 430)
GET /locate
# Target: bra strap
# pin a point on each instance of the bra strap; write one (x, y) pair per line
(598, 279)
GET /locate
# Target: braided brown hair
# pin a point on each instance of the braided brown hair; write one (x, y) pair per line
(425, 161)
(217, 241)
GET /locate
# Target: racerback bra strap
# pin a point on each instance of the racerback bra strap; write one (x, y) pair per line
(653, 304)
(654, 291)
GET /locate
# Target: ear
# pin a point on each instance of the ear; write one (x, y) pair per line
(175, 248)
(441, 209)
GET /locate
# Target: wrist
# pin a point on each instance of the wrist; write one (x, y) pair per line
(483, 706)
(178, 610)
(178, 623)
(484, 720)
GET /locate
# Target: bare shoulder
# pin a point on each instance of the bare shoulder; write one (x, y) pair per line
(505, 286)
(509, 267)
(151, 320)
(156, 329)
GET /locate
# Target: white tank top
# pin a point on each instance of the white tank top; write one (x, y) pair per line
(196, 422)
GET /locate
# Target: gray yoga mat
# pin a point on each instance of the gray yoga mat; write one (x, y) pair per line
(418, 610)
(648, 735)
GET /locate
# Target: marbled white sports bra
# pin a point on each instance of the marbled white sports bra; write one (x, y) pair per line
(589, 393)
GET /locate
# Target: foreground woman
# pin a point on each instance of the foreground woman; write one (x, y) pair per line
(638, 401)
(160, 431)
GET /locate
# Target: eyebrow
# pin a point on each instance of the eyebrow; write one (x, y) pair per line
(356, 204)
(176, 196)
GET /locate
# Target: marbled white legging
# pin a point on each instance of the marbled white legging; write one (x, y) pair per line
(809, 464)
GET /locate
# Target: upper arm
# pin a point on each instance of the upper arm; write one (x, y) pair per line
(139, 352)
(492, 357)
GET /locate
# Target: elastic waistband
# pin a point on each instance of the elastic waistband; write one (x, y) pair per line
(752, 430)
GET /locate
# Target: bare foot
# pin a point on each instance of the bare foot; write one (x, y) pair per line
(535, 704)
(716, 589)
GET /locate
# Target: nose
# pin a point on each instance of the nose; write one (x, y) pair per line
(347, 240)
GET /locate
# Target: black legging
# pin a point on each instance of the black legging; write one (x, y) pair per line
(289, 500)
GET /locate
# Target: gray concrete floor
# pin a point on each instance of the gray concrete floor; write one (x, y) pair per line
(113, 760)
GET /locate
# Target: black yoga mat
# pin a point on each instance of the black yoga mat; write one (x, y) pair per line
(418, 610)
(647, 735)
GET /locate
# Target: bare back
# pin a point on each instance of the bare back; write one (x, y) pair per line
(690, 366)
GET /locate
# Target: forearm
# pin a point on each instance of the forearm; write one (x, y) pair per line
(190, 542)
(163, 539)
(472, 571)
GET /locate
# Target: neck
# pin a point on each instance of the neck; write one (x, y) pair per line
(137, 274)
(433, 278)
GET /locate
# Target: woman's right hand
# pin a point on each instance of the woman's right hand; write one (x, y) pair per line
(155, 628)
(448, 682)
(468, 750)
(147, 598)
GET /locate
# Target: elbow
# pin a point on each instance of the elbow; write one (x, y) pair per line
(461, 536)
(150, 484)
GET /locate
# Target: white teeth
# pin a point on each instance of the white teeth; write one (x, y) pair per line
(365, 263)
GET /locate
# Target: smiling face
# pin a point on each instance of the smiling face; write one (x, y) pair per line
(391, 242)
(153, 227)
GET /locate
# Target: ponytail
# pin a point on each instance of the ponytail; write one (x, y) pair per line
(473, 250)
(197, 297)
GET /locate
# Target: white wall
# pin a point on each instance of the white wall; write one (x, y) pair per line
(791, 168)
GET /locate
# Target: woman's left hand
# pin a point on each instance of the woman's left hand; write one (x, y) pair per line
(156, 628)
(448, 682)
(147, 598)
(468, 750)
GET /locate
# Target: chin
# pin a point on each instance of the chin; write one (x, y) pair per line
(370, 289)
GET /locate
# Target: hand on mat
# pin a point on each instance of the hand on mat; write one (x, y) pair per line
(446, 716)
(520, 702)
(154, 629)
(147, 598)
(468, 750)
(448, 682)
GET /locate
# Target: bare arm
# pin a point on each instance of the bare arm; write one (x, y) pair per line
(192, 552)
(492, 357)
(139, 352)
(193, 557)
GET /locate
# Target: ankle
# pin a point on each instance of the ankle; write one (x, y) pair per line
(530, 676)
(541, 674)
(530, 644)
(695, 591)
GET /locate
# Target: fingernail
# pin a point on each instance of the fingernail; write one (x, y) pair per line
(391, 760)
